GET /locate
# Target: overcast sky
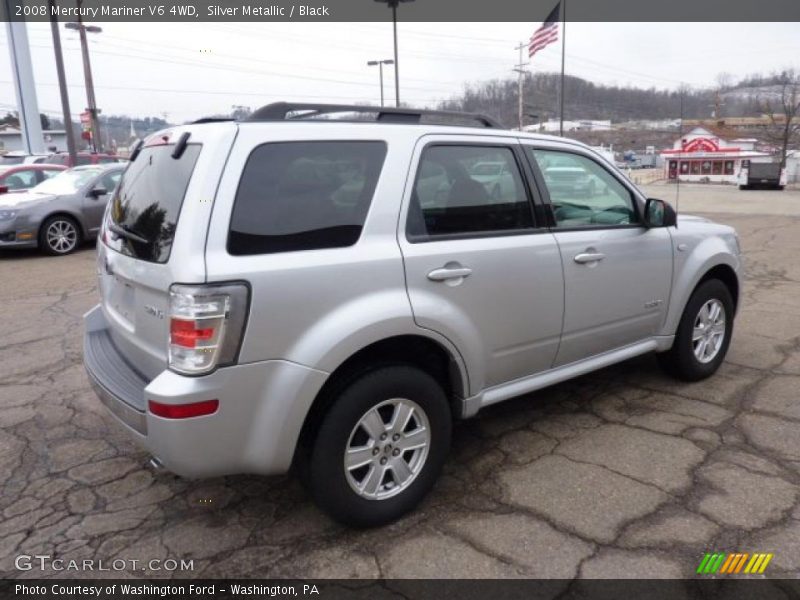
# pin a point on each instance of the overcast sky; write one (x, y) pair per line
(189, 70)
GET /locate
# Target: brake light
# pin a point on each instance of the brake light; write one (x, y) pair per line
(206, 326)
(187, 334)
(183, 411)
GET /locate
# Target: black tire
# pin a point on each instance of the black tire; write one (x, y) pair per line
(680, 361)
(744, 187)
(326, 478)
(46, 243)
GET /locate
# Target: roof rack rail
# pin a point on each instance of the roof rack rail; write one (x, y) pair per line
(211, 120)
(281, 111)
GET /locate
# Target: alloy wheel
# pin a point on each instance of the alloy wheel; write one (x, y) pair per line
(709, 331)
(61, 236)
(387, 449)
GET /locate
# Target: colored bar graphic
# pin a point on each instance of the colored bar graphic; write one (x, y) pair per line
(764, 564)
(727, 564)
(703, 563)
(741, 562)
(733, 563)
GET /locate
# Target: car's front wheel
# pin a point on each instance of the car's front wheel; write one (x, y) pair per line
(59, 235)
(703, 335)
(380, 447)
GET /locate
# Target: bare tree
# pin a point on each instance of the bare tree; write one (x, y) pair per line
(782, 107)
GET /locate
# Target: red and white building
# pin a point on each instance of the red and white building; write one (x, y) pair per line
(703, 156)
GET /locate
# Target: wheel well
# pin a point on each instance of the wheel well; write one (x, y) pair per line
(727, 276)
(69, 216)
(418, 351)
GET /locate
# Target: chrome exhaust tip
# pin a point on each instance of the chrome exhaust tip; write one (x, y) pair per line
(155, 464)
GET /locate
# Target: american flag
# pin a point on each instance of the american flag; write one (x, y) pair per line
(546, 34)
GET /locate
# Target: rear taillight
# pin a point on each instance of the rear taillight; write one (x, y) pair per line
(206, 326)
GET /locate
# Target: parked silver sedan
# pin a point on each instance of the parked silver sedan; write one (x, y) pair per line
(60, 213)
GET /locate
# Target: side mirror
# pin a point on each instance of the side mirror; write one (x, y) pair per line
(98, 191)
(3, 189)
(658, 213)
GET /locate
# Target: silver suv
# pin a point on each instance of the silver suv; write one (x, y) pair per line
(296, 291)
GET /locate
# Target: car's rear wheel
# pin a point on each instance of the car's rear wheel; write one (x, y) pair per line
(703, 335)
(59, 235)
(380, 447)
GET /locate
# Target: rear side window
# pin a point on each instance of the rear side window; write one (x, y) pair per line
(304, 196)
(148, 200)
(83, 160)
(466, 191)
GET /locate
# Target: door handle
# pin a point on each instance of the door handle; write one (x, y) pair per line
(446, 273)
(587, 257)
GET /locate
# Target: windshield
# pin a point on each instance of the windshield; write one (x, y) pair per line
(67, 182)
(148, 200)
(11, 160)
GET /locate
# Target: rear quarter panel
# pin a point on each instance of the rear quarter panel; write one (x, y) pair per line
(317, 307)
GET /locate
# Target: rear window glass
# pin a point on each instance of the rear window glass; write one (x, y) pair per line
(304, 196)
(148, 200)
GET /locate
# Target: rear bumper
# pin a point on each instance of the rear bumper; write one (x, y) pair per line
(262, 407)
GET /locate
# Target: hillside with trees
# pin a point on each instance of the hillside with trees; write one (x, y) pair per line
(586, 100)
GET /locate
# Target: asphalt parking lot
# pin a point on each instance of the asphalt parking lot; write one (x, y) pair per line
(621, 473)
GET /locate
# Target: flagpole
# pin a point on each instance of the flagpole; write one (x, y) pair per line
(563, 46)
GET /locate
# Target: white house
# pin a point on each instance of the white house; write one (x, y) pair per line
(702, 155)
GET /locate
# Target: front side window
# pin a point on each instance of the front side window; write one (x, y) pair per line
(304, 196)
(463, 190)
(582, 192)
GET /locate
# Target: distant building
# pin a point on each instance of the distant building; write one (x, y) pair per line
(11, 139)
(703, 155)
(761, 122)
(553, 125)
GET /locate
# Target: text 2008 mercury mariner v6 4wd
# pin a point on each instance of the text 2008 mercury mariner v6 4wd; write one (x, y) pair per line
(329, 295)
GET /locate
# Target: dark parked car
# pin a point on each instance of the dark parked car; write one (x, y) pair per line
(57, 215)
(18, 178)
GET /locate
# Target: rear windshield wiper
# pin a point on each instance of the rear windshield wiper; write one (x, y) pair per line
(126, 232)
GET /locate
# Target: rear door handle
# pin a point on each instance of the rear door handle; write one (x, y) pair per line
(587, 257)
(446, 273)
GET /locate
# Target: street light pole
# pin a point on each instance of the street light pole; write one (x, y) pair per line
(380, 64)
(97, 143)
(393, 5)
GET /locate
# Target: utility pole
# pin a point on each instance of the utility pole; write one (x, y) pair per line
(97, 143)
(62, 86)
(718, 104)
(520, 70)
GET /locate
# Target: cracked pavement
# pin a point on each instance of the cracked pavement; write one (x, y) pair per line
(621, 473)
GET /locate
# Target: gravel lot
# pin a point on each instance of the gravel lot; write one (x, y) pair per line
(622, 473)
